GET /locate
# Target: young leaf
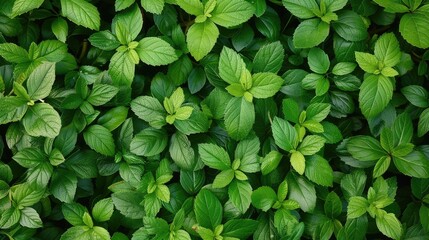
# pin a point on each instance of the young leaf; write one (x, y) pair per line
(387, 50)
(368, 62)
(208, 210)
(82, 13)
(357, 207)
(155, 51)
(389, 225)
(229, 13)
(214, 156)
(414, 26)
(201, 38)
(100, 139)
(194, 7)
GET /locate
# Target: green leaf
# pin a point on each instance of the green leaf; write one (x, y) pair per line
(101, 94)
(333, 205)
(42, 120)
(208, 210)
(149, 142)
(30, 218)
(311, 144)
(270, 162)
(52, 50)
(350, 26)
(414, 164)
(122, 4)
(127, 24)
(319, 171)
(155, 51)
(231, 66)
(12, 109)
(149, 109)
(214, 156)
(239, 228)
(387, 50)
(368, 62)
(318, 111)
(414, 27)
(60, 29)
(229, 13)
(239, 193)
(265, 85)
(153, 6)
(416, 95)
(402, 129)
(310, 33)
(423, 125)
(103, 210)
(128, 204)
(375, 93)
(297, 161)
(81, 13)
(201, 38)
(100, 139)
(392, 6)
(122, 68)
(269, 58)
(239, 118)
(285, 135)
(181, 151)
(29, 157)
(365, 148)
(357, 207)
(318, 61)
(302, 191)
(389, 225)
(104, 40)
(264, 198)
(63, 185)
(9, 217)
(22, 6)
(343, 68)
(302, 9)
(13, 53)
(223, 178)
(194, 7)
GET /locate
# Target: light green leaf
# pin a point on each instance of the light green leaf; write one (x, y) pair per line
(311, 144)
(231, 66)
(335, 5)
(319, 171)
(368, 62)
(30, 157)
(297, 161)
(208, 210)
(100, 139)
(357, 207)
(103, 210)
(155, 51)
(263, 198)
(389, 225)
(9, 217)
(270, 162)
(52, 50)
(42, 120)
(387, 50)
(13, 53)
(127, 24)
(239, 118)
(318, 111)
(229, 13)
(310, 33)
(302, 191)
(269, 58)
(285, 135)
(22, 6)
(343, 68)
(153, 6)
(381, 166)
(194, 7)
(223, 178)
(239, 193)
(121, 69)
(201, 38)
(60, 29)
(82, 13)
(214, 156)
(122, 4)
(365, 148)
(414, 27)
(30, 218)
(375, 93)
(149, 142)
(265, 85)
(302, 9)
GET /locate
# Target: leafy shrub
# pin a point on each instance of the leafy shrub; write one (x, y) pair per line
(214, 119)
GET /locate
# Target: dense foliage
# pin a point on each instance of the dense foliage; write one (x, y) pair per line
(214, 119)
